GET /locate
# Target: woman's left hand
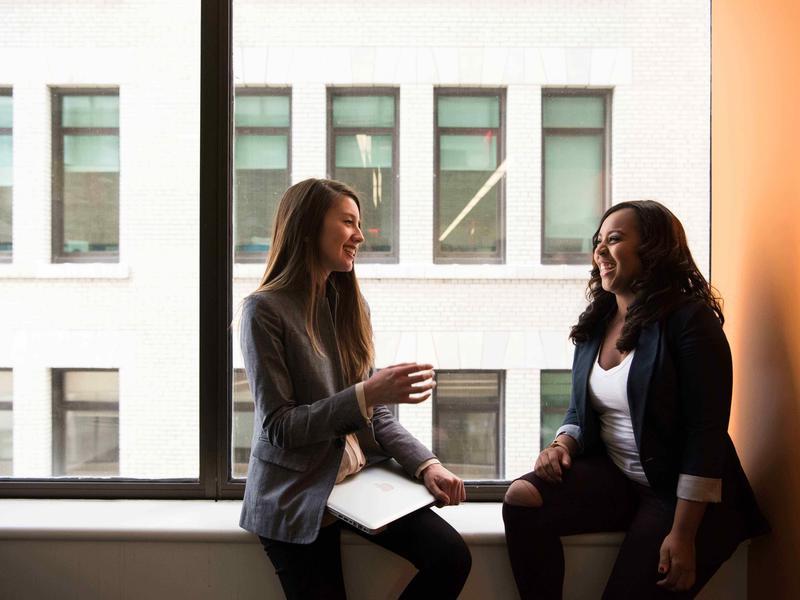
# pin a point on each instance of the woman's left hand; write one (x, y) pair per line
(677, 562)
(445, 487)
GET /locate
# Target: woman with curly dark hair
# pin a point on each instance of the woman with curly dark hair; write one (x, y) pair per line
(644, 447)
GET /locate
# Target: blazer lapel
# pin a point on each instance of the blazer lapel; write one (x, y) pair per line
(585, 355)
(641, 373)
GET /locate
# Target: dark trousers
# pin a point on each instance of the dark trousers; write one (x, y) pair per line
(312, 571)
(596, 496)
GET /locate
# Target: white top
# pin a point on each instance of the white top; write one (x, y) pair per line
(608, 394)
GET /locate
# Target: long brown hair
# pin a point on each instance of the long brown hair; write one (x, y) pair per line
(669, 277)
(294, 263)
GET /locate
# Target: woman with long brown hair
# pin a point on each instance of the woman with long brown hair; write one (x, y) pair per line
(320, 411)
(644, 446)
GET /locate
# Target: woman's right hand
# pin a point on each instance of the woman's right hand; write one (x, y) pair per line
(553, 461)
(406, 383)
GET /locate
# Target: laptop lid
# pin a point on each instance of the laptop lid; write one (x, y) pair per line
(378, 495)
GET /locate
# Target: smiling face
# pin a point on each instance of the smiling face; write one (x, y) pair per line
(616, 253)
(340, 236)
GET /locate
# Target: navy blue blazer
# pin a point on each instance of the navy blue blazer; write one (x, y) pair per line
(679, 393)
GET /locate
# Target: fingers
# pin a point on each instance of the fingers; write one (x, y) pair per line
(454, 488)
(665, 568)
(410, 368)
(548, 465)
(417, 377)
(566, 460)
(553, 465)
(442, 499)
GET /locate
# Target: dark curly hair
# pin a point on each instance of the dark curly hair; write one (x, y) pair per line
(669, 278)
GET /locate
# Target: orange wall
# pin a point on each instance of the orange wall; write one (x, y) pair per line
(756, 261)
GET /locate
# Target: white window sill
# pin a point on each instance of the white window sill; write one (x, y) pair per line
(480, 523)
(65, 271)
(108, 549)
(368, 271)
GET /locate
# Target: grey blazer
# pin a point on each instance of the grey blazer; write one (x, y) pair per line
(302, 413)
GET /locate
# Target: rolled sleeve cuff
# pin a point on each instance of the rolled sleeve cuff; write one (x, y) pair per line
(362, 401)
(699, 489)
(573, 431)
(425, 465)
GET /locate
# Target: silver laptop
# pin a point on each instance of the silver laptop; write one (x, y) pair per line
(378, 495)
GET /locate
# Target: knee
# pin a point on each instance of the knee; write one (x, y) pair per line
(523, 493)
(452, 558)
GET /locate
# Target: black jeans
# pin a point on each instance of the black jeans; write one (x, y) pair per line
(312, 571)
(596, 496)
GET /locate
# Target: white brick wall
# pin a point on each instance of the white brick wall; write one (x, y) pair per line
(141, 316)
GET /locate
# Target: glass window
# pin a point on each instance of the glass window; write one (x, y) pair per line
(6, 423)
(85, 423)
(261, 167)
(6, 173)
(363, 154)
(470, 176)
(556, 389)
(468, 421)
(86, 169)
(575, 172)
(242, 433)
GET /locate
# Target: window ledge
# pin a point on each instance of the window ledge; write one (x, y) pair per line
(480, 523)
(65, 271)
(368, 271)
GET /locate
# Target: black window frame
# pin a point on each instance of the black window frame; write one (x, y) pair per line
(239, 256)
(7, 256)
(58, 131)
(332, 91)
(575, 258)
(60, 406)
(485, 489)
(499, 257)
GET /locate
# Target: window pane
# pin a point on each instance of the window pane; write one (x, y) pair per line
(573, 111)
(91, 212)
(6, 180)
(261, 111)
(573, 191)
(92, 448)
(469, 111)
(91, 386)
(91, 153)
(363, 111)
(90, 174)
(556, 389)
(363, 151)
(90, 111)
(468, 196)
(86, 421)
(261, 168)
(468, 152)
(257, 194)
(468, 443)
(107, 109)
(467, 433)
(6, 110)
(262, 152)
(242, 423)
